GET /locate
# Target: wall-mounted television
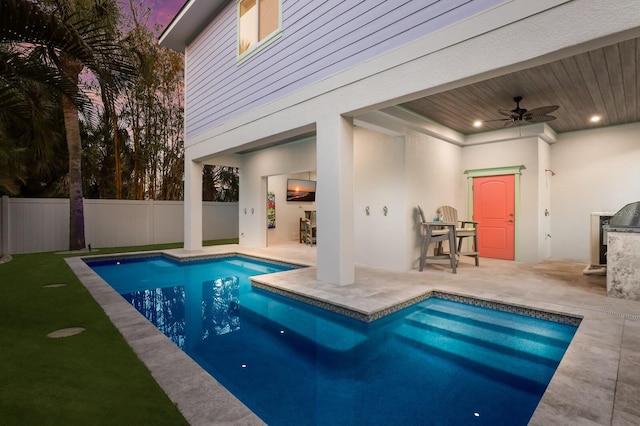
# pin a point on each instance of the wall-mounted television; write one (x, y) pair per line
(301, 190)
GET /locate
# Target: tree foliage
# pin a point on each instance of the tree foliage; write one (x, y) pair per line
(153, 112)
(30, 93)
(220, 183)
(77, 121)
(30, 147)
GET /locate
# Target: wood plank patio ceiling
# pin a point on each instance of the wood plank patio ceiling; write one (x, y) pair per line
(604, 81)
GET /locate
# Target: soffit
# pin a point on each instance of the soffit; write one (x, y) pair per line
(603, 81)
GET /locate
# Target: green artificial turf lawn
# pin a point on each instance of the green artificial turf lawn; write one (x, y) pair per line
(93, 378)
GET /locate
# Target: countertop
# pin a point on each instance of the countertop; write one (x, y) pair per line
(627, 229)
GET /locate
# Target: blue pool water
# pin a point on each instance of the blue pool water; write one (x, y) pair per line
(437, 362)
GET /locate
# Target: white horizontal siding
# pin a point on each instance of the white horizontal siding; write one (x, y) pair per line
(318, 39)
(39, 225)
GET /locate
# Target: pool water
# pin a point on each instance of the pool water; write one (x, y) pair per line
(436, 362)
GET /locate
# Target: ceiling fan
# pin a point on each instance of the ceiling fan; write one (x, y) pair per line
(519, 116)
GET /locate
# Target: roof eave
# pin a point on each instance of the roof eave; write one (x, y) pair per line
(189, 22)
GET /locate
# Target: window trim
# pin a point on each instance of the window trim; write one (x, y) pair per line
(261, 44)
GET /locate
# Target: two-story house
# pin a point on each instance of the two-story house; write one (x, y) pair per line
(375, 100)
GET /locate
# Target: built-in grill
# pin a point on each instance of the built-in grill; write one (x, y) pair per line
(623, 253)
(626, 217)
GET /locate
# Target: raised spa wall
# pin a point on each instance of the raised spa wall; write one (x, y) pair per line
(623, 262)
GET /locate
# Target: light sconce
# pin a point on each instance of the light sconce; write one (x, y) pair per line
(385, 210)
(366, 210)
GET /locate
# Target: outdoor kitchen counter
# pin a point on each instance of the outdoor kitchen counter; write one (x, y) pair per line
(623, 262)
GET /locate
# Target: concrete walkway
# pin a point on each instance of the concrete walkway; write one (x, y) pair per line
(597, 382)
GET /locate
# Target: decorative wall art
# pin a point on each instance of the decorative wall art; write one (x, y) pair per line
(301, 190)
(271, 210)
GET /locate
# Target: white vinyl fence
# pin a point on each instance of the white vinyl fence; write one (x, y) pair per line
(30, 225)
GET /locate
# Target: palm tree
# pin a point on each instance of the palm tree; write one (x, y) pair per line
(29, 135)
(220, 183)
(70, 36)
(27, 85)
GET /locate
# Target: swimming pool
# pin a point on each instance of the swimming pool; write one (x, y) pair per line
(437, 362)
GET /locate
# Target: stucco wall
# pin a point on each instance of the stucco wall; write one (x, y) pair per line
(288, 213)
(543, 211)
(433, 178)
(595, 170)
(401, 169)
(514, 153)
(379, 182)
(586, 171)
(255, 171)
(454, 56)
(397, 172)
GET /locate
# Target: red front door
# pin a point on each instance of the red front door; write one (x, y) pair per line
(494, 210)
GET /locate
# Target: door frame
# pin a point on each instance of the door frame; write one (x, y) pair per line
(499, 171)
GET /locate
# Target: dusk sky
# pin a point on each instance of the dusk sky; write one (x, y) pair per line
(163, 11)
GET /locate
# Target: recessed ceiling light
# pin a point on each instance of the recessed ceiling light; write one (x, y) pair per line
(595, 118)
(477, 123)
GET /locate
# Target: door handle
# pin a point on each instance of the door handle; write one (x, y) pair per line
(511, 220)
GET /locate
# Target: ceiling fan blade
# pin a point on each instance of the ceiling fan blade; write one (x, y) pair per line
(541, 111)
(508, 112)
(520, 116)
(497, 119)
(539, 118)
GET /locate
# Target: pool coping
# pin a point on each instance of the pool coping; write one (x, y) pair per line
(201, 399)
(182, 259)
(570, 398)
(381, 313)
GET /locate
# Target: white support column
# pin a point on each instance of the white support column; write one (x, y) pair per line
(334, 198)
(192, 205)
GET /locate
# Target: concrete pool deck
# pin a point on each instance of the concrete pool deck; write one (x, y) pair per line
(597, 382)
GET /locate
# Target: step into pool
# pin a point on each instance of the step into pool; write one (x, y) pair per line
(436, 362)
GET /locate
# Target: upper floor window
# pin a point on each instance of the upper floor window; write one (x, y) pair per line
(257, 21)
